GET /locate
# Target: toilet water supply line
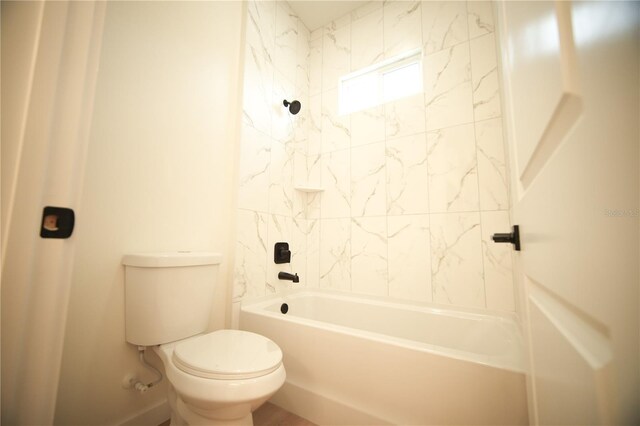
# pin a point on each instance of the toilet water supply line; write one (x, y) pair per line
(137, 384)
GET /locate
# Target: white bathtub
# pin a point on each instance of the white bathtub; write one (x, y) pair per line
(361, 360)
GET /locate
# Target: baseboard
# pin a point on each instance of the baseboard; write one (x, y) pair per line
(152, 415)
(321, 409)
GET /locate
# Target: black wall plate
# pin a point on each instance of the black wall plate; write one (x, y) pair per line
(57, 222)
(281, 253)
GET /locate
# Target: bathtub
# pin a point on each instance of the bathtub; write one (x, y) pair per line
(364, 360)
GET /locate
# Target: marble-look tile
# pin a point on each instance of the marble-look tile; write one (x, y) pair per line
(315, 66)
(278, 230)
(301, 121)
(316, 34)
(302, 58)
(407, 177)
(314, 170)
(484, 72)
(453, 173)
(367, 46)
(309, 173)
(286, 41)
(300, 171)
(336, 54)
(367, 126)
(258, 92)
(340, 22)
(336, 128)
(281, 180)
(282, 121)
(335, 254)
(314, 125)
(492, 169)
(249, 276)
(444, 24)
(405, 117)
(447, 87)
(456, 259)
(255, 156)
(498, 273)
(409, 257)
(439, 254)
(303, 32)
(299, 252)
(314, 203)
(369, 256)
(366, 8)
(302, 90)
(300, 204)
(300, 177)
(402, 27)
(336, 198)
(261, 28)
(313, 254)
(480, 16)
(368, 179)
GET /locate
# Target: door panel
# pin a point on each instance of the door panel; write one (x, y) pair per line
(544, 109)
(572, 380)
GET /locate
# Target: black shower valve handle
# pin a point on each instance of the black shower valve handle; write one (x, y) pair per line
(281, 253)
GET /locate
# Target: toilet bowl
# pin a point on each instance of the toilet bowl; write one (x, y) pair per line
(215, 378)
(221, 377)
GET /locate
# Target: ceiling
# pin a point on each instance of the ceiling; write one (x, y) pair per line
(316, 13)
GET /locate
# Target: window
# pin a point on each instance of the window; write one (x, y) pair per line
(392, 79)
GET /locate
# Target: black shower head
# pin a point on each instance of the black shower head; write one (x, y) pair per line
(294, 107)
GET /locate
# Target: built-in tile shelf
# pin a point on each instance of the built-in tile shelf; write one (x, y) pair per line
(306, 188)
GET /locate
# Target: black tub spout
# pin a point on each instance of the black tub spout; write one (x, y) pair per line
(288, 276)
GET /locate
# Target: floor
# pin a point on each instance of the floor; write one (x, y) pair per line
(272, 415)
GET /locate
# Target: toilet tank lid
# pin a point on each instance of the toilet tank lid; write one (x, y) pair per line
(171, 259)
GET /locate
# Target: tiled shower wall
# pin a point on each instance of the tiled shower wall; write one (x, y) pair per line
(272, 140)
(412, 190)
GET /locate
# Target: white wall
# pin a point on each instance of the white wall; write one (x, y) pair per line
(159, 176)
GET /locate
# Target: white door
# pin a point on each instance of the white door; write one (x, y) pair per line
(571, 84)
(50, 53)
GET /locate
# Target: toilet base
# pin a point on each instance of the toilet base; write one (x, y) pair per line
(181, 415)
(184, 416)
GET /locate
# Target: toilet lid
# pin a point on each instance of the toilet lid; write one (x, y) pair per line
(228, 354)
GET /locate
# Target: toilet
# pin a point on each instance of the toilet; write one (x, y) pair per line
(215, 378)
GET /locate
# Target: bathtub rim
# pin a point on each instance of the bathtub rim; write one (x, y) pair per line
(514, 361)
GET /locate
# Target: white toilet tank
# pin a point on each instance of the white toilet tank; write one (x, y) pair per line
(168, 296)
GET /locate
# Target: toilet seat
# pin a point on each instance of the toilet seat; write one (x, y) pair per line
(227, 355)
